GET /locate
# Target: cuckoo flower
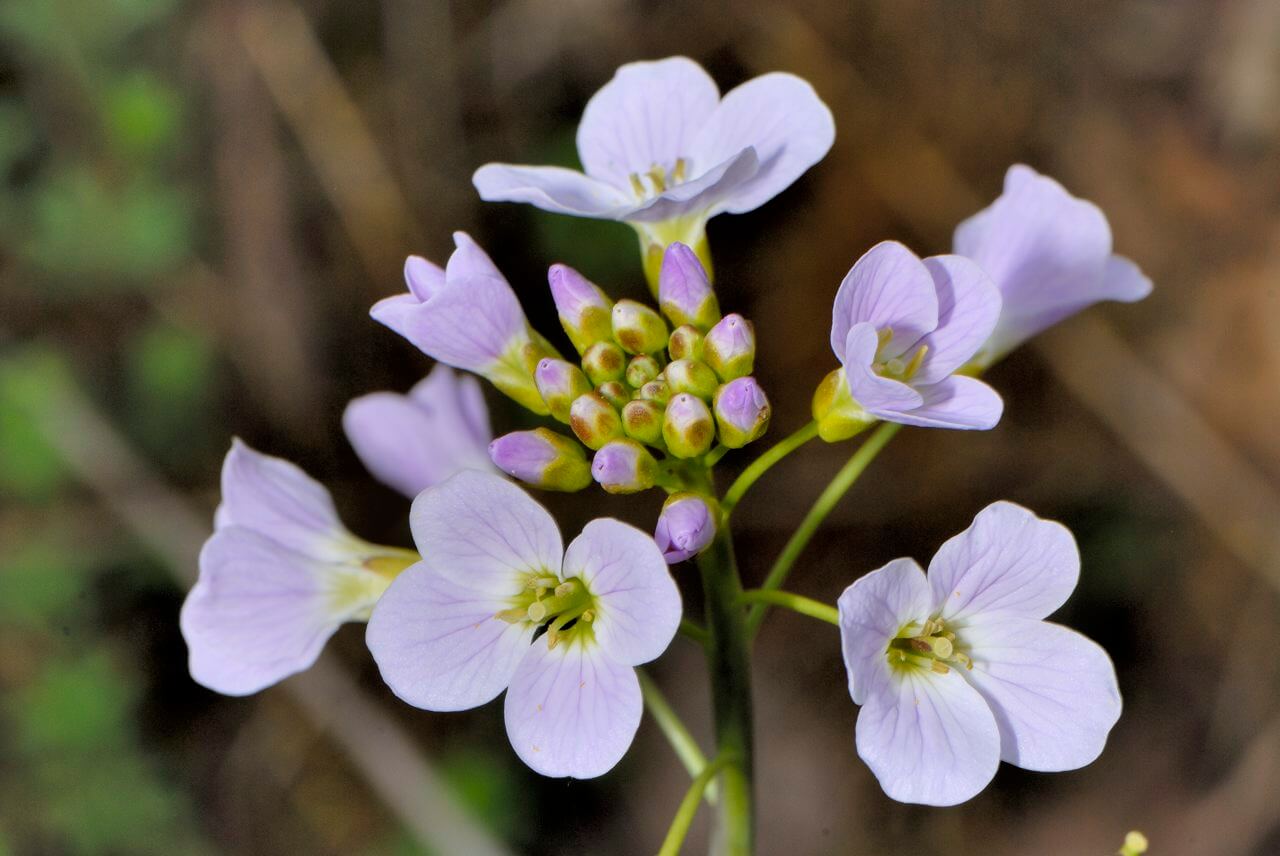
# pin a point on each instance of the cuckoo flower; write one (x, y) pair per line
(497, 603)
(410, 442)
(686, 526)
(958, 670)
(662, 151)
(277, 577)
(1050, 255)
(901, 327)
(467, 316)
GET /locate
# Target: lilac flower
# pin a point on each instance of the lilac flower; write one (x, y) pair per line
(662, 151)
(496, 603)
(901, 327)
(466, 315)
(277, 577)
(686, 527)
(410, 442)
(1050, 255)
(958, 671)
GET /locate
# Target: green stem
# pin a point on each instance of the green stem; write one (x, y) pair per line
(761, 465)
(730, 671)
(795, 602)
(669, 723)
(688, 808)
(694, 631)
(825, 502)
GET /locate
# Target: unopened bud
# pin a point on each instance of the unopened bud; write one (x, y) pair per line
(594, 420)
(686, 526)
(693, 377)
(642, 420)
(615, 392)
(638, 329)
(624, 466)
(603, 362)
(560, 382)
(730, 347)
(685, 343)
(585, 312)
(641, 370)
(657, 390)
(839, 416)
(687, 426)
(742, 412)
(684, 291)
(542, 458)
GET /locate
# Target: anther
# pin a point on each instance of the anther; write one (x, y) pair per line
(511, 616)
(637, 185)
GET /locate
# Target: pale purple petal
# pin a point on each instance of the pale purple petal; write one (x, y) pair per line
(551, 188)
(872, 612)
(423, 277)
(1123, 280)
(783, 119)
(481, 531)
(646, 116)
(928, 738)
(685, 528)
(876, 394)
(1007, 562)
(437, 643)
(968, 307)
(888, 288)
(637, 603)
(261, 611)
(1053, 691)
(958, 401)
(452, 396)
(469, 260)
(571, 710)
(701, 196)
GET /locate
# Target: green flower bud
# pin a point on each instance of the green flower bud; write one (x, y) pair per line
(684, 290)
(685, 343)
(641, 370)
(693, 377)
(687, 426)
(730, 347)
(839, 416)
(742, 412)
(594, 420)
(585, 312)
(642, 420)
(615, 392)
(624, 466)
(603, 362)
(542, 458)
(656, 390)
(559, 383)
(638, 329)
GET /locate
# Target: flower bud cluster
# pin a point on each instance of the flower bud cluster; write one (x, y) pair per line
(649, 386)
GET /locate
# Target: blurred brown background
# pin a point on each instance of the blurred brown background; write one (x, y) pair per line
(201, 201)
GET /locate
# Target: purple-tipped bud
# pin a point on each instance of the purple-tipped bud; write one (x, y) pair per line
(637, 328)
(730, 347)
(687, 426)
(559, 383)
(742, 412)
(656, 390)
(624, 466)
(693, 377)
(641, 370)
(542, 458)
(685, 343)
(585, 312)
(642, 420)
(686, 526)
(594, 420)
(603, 362)
(684, 291)
(615, 392)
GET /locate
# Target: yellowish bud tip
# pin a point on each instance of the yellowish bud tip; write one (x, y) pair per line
(1135, 843)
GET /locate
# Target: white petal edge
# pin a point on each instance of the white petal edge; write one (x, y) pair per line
(889, 288)
(872, 611)
(551, 188)
(959, 402)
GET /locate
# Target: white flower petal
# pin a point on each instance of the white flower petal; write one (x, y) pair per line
(1007, 562)
(437, 643)
(872, 611)
(1053, 691)
(968, 307)
(877, 395)
(958, 401)
(783, 119)
(637, 603)
(890, 289)
(551, 188)
(928, 738)
(646, 116)
(572, 711)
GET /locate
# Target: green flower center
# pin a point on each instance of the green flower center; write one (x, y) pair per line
(563, 609)
(898, 368)
(931, 647)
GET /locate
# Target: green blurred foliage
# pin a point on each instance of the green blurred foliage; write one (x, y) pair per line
(30, 467)
(169, 374)
(40, 580)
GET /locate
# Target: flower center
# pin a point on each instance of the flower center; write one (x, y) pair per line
(897, 368)
(659, 179)
(563, 609)
(932, 647)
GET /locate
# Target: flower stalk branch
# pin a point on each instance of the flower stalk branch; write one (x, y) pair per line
(794, 602)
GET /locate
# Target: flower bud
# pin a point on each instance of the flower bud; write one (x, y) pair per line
(839, 416)
(742, 412)
(542, 458)
(730, 347)
(594, 420)
(684, 291)
(687, 426)
(693, 377)
(656, 390)
(641, 370)
(559, 383)
(638, 329)
(585, 312)
(686, 526)
(603, 362)
(624, 466)
(685, 343)
(642, 420)
(615, 392)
